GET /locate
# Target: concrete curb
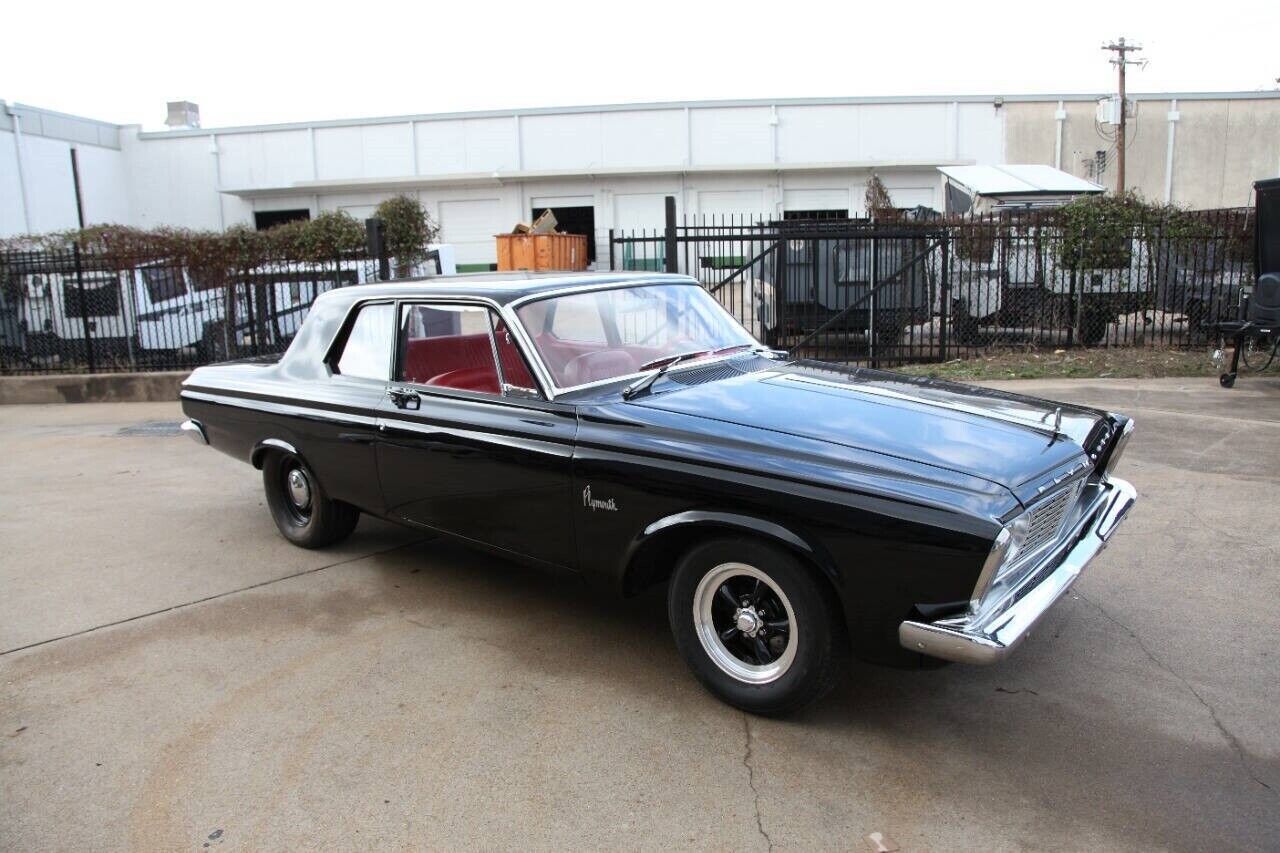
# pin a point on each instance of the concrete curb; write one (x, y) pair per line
(92, 388)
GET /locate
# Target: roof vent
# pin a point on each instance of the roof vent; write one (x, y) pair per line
(183, 115)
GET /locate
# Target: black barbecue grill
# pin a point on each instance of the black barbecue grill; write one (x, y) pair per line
(1256, 335)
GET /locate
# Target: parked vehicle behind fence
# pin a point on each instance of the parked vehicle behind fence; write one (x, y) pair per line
(1008, 276)
(73, 310)
(62, 308)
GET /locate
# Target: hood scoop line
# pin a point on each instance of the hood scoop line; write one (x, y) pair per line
(1053, 432)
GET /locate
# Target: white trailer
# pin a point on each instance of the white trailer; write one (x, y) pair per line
(61, 309)
(1010, 275)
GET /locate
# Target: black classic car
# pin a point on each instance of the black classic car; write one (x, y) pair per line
(626, 428)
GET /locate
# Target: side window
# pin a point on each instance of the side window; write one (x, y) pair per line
(367, 352)
(448, 346)
(514, 369)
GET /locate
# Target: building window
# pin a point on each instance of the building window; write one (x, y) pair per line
(264, 219)
(816, 214)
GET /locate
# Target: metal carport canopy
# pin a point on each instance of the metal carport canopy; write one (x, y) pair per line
(1029, 179)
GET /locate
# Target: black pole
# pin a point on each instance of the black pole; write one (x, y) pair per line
(611, 258)
(75, 180)
(376, 235)
(944, 300)
(673, 261)
(84, 306)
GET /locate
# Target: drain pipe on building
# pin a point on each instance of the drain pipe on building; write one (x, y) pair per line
(22, 168)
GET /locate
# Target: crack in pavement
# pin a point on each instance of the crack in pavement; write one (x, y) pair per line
(213, 597)
(1231, 739)
(751, 779)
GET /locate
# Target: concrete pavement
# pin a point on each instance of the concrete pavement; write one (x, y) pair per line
(175, 676)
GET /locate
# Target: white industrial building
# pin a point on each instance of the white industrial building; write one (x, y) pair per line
(611, 166)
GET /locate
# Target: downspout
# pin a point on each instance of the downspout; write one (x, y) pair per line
(217, 179)
(1174, 116)
(22, 169)
(1061, 116)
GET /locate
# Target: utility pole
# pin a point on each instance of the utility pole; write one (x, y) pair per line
(1121, 49)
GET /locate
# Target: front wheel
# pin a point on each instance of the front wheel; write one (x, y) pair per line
(303, 513)
(758, 628)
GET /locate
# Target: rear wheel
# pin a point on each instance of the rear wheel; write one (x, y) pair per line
(758, 628)
(303, 513)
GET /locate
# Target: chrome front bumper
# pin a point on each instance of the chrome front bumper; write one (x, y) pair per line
(989, 636)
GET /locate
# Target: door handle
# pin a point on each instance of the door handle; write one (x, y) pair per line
(405, 398)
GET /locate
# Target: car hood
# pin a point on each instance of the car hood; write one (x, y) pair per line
(1004, 438)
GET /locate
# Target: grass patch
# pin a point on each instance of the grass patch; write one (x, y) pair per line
(1110, 363)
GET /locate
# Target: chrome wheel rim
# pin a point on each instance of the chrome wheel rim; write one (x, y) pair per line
(745, 623)
(297, 488)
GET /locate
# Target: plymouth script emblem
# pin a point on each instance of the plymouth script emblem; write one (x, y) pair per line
(593, 504)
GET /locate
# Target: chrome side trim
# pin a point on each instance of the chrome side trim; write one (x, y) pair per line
(281, 408)
(195, 429)
(277, 443)
(992, 635)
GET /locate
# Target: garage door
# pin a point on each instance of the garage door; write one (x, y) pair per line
(469, 225)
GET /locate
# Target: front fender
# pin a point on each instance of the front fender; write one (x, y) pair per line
(653, 554)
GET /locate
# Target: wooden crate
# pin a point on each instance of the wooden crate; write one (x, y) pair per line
(542, 251)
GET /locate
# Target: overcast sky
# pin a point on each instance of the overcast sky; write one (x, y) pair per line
(258, 62)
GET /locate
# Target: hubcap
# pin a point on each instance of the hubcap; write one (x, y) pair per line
(745, 623)
(748, 621)
(299, 489)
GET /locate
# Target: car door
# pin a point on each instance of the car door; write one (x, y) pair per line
(467, 445)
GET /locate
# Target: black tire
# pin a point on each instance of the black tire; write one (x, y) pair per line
(315, 523)
(808, 662)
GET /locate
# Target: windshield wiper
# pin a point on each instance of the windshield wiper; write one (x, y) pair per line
(644, 382)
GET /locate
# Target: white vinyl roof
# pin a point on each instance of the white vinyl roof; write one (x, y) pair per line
(1028, 179)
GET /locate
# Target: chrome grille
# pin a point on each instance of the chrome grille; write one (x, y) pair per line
(1046, 518)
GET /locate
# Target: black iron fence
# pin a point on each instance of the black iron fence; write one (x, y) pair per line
(75, 311)
(917, 287)
(913, 287)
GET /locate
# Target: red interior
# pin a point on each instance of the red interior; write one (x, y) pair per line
(464, 361)
(455, 361)
(514, 370)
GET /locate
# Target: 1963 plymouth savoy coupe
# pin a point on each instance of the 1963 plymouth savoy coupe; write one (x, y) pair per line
(626, 428)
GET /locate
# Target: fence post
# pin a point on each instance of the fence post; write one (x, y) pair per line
(611, 266)
(781, 293)
(375, 233)
(1073, 305)
(84, 308)
(251, 322)
(672, 259)
(875, 301)
(944, 302)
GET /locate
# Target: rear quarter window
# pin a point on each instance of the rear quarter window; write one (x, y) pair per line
(366, 353)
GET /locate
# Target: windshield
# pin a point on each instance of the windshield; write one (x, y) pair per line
(605, 334)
